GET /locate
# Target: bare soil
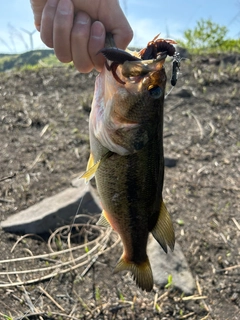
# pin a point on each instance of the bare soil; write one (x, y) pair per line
(44, 145)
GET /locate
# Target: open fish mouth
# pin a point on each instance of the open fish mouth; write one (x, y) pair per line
(135, 65)
(132, 67)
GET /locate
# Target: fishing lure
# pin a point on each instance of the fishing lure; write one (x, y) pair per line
(156, 46)
(175, 68)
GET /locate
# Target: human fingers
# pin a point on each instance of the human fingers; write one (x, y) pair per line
(79, 42)
(96, 43)
(115, 22)
(37, 8)
(62, 26)
(48, 15)
(112, 17)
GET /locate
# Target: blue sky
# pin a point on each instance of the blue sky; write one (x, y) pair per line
(147, 18)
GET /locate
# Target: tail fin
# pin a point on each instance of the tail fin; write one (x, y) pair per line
(141, 272)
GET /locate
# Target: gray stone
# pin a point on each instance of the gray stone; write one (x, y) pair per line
(170, 162)
(53, 212)
(173, 263)
(184, 92)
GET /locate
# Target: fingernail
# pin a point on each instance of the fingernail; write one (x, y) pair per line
(97, 30)
(52, 3)
(82, 18)
(65, 7)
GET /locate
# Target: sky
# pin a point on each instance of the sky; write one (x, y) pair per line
(147, 18)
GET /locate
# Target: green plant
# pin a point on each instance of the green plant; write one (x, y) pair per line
(121, 296)
(50, 61)
(208, 36)
(232, 45)
(157, 308)
(180, 222)
(170, 282)
(31, 60)
(58, 243)
(97, 294)
(6, 317)
(7, 61)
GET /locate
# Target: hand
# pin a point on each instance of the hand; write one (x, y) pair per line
(76, 29)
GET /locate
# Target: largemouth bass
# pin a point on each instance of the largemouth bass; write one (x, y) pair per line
(126, 142)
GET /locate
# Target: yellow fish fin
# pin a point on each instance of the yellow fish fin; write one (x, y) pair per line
(92, 167)
(90, 162)
(141, 272)
(90, 173)
(163, 231)
(103, 221)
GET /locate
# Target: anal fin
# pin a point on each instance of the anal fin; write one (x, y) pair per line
(163, 231)
(103, 221)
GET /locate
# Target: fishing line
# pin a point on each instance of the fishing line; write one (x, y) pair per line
(78, 208)
(168, 92)
(51, 279)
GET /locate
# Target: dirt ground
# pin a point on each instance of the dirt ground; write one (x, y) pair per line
(44, 145)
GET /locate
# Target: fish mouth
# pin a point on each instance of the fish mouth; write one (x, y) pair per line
(143, 67)
(127, 67)
(147, 71)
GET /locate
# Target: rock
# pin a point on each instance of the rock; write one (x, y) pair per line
(232, 58)
(170, 162)
(184, 92)
(221, 58)
(213, 61)
(173, 263)
(55, 211)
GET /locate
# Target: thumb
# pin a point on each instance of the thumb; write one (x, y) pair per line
(37, 8)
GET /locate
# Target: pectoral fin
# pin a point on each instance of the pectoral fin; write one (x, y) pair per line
(92, 167)
(163, 231)
(90, 163)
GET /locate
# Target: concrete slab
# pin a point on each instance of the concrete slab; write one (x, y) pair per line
(55, 211)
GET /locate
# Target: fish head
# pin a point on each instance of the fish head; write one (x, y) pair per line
(128, 102)
(144, 76)
(135, 74)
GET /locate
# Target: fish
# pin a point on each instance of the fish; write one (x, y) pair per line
(127, 157)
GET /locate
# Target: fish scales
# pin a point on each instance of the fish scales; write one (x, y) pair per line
(126, 142)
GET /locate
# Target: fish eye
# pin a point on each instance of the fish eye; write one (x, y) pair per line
(155, 92)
